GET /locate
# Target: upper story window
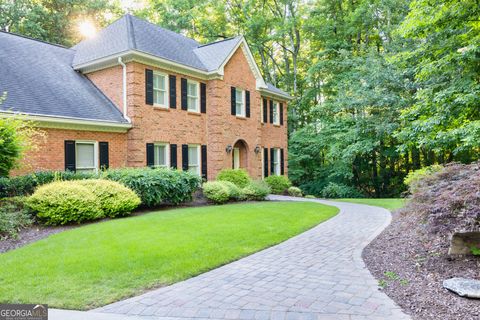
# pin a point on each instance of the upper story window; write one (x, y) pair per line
(86, 157)
(276, 113)
(192, 96)
(194, 158)
(160, 88)
(240, 102)
(160, 155)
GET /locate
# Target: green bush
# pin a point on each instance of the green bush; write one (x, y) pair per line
(233, 190)
(13, 217)
(216, 191)
(115, 199)
(256, 190)
(157, 186)
(309, 196)
(335, 190)
(64, 202)
(278, 184)
(414, 177)
(239, 177)
(295, 192)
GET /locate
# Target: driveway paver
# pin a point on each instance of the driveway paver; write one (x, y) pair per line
(318, 274)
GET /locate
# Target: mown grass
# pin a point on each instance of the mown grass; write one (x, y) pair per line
(101, 263)
(391, 204)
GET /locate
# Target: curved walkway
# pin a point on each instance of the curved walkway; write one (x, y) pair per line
(318, 274)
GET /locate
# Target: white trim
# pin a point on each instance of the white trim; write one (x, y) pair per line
(276, 168)
(124, 89)
(274, 95)
(167, 90)
(75, 123)
(199, 157)
(167, 154)
(276, 109)
(243, 109)
(95, 154)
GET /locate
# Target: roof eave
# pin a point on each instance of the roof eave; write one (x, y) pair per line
(275, 94)
(51, 121)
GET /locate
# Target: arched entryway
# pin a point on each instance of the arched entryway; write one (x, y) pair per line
(240, 155)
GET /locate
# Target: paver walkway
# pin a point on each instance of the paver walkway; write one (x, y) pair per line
(318, 274)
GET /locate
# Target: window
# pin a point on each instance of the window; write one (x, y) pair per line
(192, 96)
(276, 113)
(160, 95)
(161, 155)
(240, 102)
(276, 161)
(194, 159)
(236, 158)
(86, 156)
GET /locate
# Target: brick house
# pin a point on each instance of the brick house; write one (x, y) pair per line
(138, 95)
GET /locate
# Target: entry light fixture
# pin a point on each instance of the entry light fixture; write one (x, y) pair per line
(257, 149)
(229, 148)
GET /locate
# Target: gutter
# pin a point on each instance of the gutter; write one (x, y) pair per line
(124, 90)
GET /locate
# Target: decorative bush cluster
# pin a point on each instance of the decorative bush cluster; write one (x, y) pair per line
(157, 186)
(239, 177)
(335, 190)
(256, 190)
(449, 199)
(278, 184)
(65, 202)
(295, 192)
(415, 177)
(216, 191)
(13, 217)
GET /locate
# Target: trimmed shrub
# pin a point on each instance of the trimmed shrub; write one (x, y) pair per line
(115, 199)
(278, 184)
(256, 190)
(309, 196)
(13, 217)
(233, 190)
(216, 191)
(295, 192)
(413, 179)
(239, 177)
(335, 190)
(64, 202)
(157, 186)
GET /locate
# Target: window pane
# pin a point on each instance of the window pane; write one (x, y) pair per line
(161, 82)
(239, 109)
(85, 155)
(239, 95)
(159, 97)
(155, 81)
(192, 89)
(160, 158)
(192, 155)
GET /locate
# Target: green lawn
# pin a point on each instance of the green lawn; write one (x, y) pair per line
(391, 204)
(101, 263)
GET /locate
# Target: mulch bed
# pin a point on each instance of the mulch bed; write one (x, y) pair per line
(416, 264)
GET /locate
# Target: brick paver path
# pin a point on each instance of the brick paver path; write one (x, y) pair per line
(318, 274)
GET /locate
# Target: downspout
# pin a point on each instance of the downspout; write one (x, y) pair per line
(124, 93)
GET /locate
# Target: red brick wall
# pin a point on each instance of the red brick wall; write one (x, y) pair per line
(49, 152)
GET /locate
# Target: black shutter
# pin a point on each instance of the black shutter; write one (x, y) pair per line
(150, 155)
(247, 103)
(272, 165)
(148, 86)
(204, 162)
(173, 91)
(184, 94)
(282, 162)
(184, 157)
(265, 111)
(233, 101)
(173, 156)
(70, 164)
(203, 98)
(103, 155)
(271, 111)
(281, 114)
(265, 162)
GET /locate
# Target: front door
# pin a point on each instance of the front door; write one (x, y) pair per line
(236, 158)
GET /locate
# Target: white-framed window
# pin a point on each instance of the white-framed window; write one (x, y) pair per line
(161, 155)
(86, 156)
(160, 89)
(236, 158)
(276, 161)
(240, 102)
(194, 158)
(193, 101)
(276, 113)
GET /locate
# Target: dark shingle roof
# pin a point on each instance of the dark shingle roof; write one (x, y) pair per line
(274, 89)
(39, 79)
(131, 33)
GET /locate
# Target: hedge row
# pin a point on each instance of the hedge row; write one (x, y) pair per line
(223, 191)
